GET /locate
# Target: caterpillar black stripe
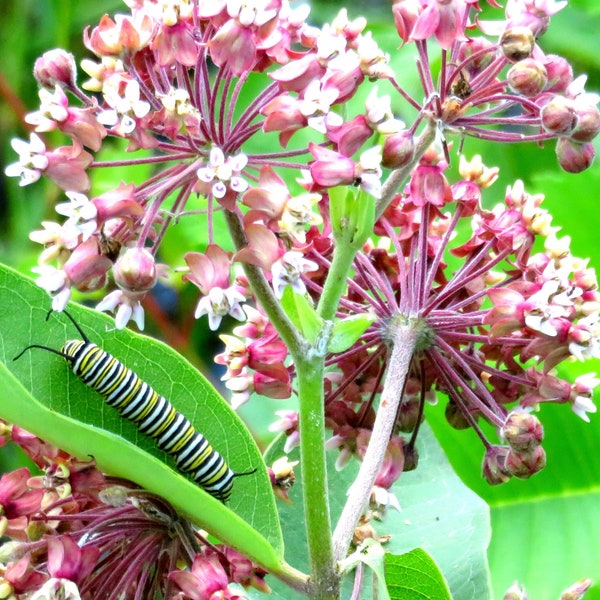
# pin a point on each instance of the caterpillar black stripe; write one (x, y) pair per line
(152, 413)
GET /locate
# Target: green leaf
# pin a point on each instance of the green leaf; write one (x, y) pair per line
(414, 576)
(302, 314)
(352, 215)
(123, 459)
(56, 393)
(347, 331)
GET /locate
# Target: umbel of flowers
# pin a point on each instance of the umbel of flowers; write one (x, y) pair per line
(478, 303)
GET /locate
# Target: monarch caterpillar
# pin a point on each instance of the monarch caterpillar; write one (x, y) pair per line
(154, 416)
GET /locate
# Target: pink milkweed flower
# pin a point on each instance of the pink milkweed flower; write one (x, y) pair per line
(67, 560)
(444, 20)
(288, 270)
(330, 168)
(67, 167)
(123, 34)
(127, 308)
(119, 202)
(283, 114)
(79, 123)
(218, 303)
(207, 580)
(288, 423)
(222, 175)
(237, 41)
(85, 270)
(316, 107)
(210, 272)
(32, 160)
(263, 248)
(18, 502)
(81, 213)
(125, 105)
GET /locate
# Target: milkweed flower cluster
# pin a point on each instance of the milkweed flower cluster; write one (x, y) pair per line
(70, 527)
(495, 294)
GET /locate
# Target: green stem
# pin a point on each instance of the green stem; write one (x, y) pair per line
(324, 580)
(405, 338)
(336, 282)
(324, 575)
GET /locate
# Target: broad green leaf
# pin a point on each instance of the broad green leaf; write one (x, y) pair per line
(346, 331)
(439, 514)
(50, 382)
(302, 314)
(123, 459)
(414, 576)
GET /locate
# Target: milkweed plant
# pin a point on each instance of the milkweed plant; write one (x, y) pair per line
(367, 277)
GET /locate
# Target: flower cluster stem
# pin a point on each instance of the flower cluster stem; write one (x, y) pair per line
(336, 282)
(405, 338)
(324, 576)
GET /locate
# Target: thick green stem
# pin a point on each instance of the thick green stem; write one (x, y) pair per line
(324, 575)
(336, 282)
(324, 580)
(405, 338)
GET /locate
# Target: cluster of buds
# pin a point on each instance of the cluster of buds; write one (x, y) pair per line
(485, 326)
(71, 526)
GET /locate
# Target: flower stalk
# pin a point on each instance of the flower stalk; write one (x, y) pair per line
(404, 341)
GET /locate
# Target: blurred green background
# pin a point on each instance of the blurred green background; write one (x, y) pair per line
(546, 530)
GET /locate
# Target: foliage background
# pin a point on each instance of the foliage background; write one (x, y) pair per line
(545, 530)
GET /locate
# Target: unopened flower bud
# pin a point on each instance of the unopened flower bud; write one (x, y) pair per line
(476, 47)
(558, 116)
(525, 464)
(282, 477)
(517, 43)
(55, 67)
(522, 431)
(516, 592)
(494, 465)
(135, 271)
(411, 458)
(574, 157)
(455, 417)
(408, 415)
(560, 73)
(577, 590)
(398, 150)
(85, 269)
(588, 123)
(527, 77)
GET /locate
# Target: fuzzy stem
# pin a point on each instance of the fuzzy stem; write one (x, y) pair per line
(404, 341)
(324, 576)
